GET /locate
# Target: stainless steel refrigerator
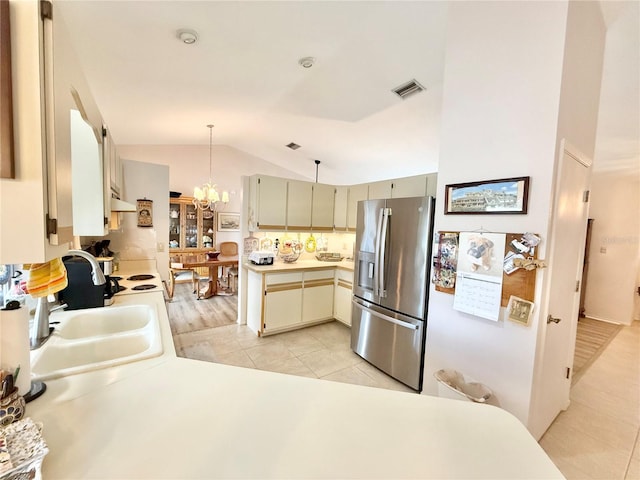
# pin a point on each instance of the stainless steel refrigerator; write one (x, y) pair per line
(391, 285)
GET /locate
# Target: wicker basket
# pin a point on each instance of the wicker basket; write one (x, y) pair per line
(23, 450)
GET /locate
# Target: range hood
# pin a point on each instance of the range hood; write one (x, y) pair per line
(118, 205)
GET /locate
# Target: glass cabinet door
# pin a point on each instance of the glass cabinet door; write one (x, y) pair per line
(207, 234)
(174, 225)
(191, 226)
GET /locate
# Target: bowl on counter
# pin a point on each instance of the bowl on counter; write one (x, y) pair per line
(290, 251)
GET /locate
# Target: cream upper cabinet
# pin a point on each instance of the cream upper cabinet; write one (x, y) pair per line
(322, 207)
(378, 190)
(90, 206)
(340, 208)
(47, 85)
(268, 202)
(299, 205)
(432, 184)
(409, 187)
(356, 193)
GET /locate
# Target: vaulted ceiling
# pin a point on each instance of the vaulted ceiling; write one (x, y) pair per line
(243, 75)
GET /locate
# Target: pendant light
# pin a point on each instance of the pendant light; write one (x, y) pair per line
(207, 197)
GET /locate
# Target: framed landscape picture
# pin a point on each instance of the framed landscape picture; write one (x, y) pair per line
(228, 222)
(504, 196)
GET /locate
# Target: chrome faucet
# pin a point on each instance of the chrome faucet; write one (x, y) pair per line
(40, 330)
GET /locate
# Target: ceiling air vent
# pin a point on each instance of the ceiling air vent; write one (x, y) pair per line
(293, 146)
(410, 88)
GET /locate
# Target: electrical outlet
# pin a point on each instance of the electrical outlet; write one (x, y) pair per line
(603, 249)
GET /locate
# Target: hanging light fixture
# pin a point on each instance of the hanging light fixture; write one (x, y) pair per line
(207, 197)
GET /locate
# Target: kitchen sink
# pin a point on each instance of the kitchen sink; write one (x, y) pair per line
(97, 338)
(119, 319)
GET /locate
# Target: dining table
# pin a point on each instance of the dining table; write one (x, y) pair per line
(213, 266)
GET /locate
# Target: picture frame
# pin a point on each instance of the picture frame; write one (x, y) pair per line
(519, 310)
(228, 222)
(7, 153)
(502, 196)
(144, 208)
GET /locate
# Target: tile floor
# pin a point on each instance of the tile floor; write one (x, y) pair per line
(597, 437)
(321, 351)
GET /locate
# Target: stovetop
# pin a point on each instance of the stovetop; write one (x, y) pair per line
(137, 282)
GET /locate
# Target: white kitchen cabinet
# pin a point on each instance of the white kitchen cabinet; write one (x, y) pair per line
(382, 189)
(282, 301)
(268, 203)
(432, 184)
(48, 83)
(342, 296)
(340, 208)
(356, 193)
(322, 207)
(317, 295)
(415, 186)
(299, 205)
(90, 215)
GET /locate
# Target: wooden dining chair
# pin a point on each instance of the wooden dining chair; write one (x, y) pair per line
(179, 274)
(229, 249)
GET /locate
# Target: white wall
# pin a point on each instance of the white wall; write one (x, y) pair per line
(189, 166)
(500, 116)
(614, 256)
(151, 181)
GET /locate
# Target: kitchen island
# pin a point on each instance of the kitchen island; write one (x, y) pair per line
(175, 418)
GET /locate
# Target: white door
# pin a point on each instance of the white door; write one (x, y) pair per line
(565, 268)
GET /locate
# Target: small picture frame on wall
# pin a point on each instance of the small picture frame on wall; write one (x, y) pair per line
(228, 222)
(145, 212)
(503, 196)
(519, 310)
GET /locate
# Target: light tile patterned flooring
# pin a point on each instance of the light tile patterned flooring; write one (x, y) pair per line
(597, 437)
(321, 351)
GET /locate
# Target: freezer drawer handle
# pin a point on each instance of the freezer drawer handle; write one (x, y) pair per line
(408, 325)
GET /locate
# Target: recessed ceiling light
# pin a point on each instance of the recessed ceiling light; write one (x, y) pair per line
(188, 36)
(307, 62)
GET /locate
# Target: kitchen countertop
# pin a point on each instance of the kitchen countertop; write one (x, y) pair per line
(175, 418)
(279, 266)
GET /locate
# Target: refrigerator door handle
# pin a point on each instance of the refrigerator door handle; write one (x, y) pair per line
(376, 272)
(408, 325)
(382, 252)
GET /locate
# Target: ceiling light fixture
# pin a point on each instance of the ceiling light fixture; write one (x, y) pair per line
(307, 62)
(207, 197)
(188, 36)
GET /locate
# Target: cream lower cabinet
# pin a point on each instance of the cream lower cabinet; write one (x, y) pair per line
(342, 296)
(282, 301)
(317, 295)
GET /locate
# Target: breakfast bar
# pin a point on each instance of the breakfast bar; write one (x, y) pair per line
(174, 418)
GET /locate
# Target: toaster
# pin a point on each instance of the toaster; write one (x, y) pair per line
(261, 257)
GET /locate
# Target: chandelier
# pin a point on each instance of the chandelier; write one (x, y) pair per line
(206, 197)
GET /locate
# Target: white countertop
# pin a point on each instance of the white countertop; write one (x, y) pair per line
(280, 266)
(174, 418)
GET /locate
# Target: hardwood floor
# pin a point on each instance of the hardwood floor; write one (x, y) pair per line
(592, 339)
(188, 314)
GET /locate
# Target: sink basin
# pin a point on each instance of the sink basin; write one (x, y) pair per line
(120, 319)
(97, 338)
